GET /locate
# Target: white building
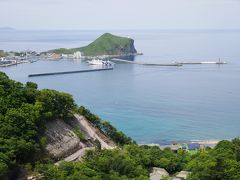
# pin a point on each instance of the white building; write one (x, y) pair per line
(77, 55)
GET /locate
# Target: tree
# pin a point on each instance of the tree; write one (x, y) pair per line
(55, 104)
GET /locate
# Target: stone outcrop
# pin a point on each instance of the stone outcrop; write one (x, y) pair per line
(61, 140)
(64, 143)
(158, 173)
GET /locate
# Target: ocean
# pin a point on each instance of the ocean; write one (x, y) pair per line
(151, 104)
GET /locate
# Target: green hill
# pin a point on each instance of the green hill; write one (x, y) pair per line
(107, 44)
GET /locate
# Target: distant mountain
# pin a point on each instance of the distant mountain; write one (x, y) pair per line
(107, 44)
(7, 29)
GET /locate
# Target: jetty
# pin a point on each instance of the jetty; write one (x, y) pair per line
(204, 62)
(169, 64)
(146, 64)
(70, 72)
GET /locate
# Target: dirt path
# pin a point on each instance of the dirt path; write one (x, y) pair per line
(76, 156)
(94, 133)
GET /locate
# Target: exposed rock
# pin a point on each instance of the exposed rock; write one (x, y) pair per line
(158, 173)
(61, 141)
(183, 175)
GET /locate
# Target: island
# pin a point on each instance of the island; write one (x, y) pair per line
(107, 45)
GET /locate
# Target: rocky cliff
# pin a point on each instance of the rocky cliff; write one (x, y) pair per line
(63, 139)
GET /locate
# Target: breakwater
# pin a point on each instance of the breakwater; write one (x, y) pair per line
(70, 72)
(169, 64)
(146, 64)
(204, 62)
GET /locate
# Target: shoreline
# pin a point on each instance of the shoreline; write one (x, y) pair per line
(181, 144)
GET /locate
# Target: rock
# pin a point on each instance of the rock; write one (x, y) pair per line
(182, 175)
(158, 173)
(61, 141)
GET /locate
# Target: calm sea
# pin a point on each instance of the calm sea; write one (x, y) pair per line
(150, 104)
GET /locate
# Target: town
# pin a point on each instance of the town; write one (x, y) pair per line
(28, 56)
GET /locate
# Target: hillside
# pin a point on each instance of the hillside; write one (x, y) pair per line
(107, 44)
(39, 126)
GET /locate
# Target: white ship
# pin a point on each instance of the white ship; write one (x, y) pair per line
(100, 62)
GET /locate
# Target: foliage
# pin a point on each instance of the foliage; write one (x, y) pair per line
(131, 162)
(117, 136)
(79, 133)
(219, 163)
(155, 157)
(56, 104)
(135, 162)
(105, 164)
(24, 111)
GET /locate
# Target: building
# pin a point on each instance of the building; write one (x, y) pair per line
(193, 146)
(77, 55)
(53, 56)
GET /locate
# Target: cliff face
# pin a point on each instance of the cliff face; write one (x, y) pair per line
(107, 44)
(61, 140)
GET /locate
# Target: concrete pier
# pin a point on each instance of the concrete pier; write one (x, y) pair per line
(169, 64)
(146, 64)
(204, 62)
(70, 72)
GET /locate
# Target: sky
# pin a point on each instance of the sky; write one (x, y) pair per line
(120, 14)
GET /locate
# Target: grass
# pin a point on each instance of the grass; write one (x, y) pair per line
(79, 133)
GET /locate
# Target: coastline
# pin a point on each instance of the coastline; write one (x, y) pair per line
(184, 144)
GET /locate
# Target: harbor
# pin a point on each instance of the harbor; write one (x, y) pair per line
(7, 63)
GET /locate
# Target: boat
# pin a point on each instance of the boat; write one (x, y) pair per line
(95, 62)
(100, 62)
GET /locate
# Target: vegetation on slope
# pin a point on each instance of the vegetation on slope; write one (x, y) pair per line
(135, 162)
(132, 162)
(107, 44)
(117, 136)
(24, 112)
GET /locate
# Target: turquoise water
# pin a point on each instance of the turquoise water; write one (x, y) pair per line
(150, 104)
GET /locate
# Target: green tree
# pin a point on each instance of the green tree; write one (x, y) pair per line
(56, 104)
